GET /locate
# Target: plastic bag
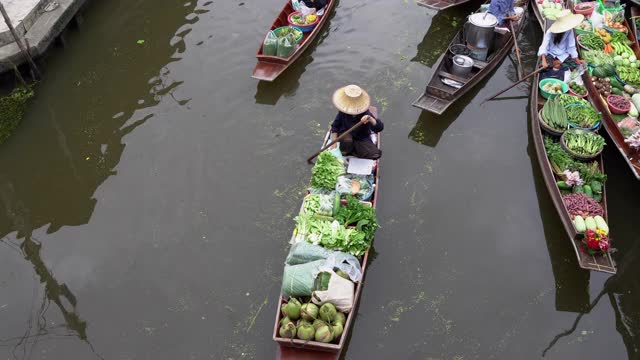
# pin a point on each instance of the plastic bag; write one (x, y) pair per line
(298, 280)
(345, 185)
(306, 11)
(286, 46)
(304, 252)
(337, 153)
(270, 44)
(295, 4)
(348, 263)
(340, 293)
(320, 204)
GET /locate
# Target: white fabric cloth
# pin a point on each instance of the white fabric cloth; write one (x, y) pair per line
(564, 49)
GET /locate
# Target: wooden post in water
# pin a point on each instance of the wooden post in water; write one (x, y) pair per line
(24, 51)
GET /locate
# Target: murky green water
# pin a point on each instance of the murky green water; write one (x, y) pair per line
(149, 193)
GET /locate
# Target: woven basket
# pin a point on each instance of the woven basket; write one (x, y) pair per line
(547, 128)
(576, 155)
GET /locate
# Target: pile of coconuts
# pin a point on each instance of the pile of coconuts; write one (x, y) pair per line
(309, 322)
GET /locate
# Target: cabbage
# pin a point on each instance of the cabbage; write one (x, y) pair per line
(558, 6)
(626, 62)
(617, 58)
(632, 58)
(625, 55)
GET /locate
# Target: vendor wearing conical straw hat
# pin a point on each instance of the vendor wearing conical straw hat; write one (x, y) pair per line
(353, 106)
(558, 48)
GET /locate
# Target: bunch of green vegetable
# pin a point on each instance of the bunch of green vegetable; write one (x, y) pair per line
(629, 74)
(566, 99)
(597, 58)
(582, 142)
(326, 171)
(583, 116)
(359, 214)
(321, 204)
(330, 234)
(554, 114)
(561, 160)
(592, 42)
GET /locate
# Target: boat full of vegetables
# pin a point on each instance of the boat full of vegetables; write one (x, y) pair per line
(333, 235)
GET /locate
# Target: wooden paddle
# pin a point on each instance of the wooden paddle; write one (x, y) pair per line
(335, 141)
(514, 84)
(515, 44)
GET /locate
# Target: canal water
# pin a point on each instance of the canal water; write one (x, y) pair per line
(148, 197)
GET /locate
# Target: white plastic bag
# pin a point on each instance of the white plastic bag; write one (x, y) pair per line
(340, 294)
(295, 4)
(348, 263)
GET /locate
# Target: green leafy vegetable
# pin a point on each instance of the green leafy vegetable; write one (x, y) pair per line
(561, 160)
(326, 171)
(361, 215)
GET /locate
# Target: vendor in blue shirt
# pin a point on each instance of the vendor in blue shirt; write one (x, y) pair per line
(503, 10)
(353, 106)
(558, 48)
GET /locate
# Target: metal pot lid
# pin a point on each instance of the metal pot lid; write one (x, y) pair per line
(483, 19)
(463, 61)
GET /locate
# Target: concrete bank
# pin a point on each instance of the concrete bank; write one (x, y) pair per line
(39, 22)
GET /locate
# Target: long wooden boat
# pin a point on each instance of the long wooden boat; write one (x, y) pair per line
(539, 17)
(440, 4)
(270, 67)
(630, 155)
(295, 349)
(635, 14)
(438, 96)
(586, 261)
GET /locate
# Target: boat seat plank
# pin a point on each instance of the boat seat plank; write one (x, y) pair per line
(478, 64)
(453, 77)
(440, 4)
(431, 103)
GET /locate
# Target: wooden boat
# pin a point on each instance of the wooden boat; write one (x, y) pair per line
(270, 67)
(295, 349)
(440, 4)
(538, 15)
(630, 155)
(635, 14)
(438, 96)
(586, 261)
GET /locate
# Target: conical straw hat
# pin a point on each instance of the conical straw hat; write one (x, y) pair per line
(351, 100)
(565, 21)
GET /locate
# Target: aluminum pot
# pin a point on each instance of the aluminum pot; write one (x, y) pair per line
(479, 30)
(461, 65)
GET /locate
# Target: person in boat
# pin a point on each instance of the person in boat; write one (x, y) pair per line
(558, 49)
(504, 11)
(353, 106)
(315, 4)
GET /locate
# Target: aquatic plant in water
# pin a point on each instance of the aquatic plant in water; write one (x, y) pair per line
(12, 109)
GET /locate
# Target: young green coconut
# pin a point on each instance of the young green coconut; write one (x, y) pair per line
(306, 331)
(292, 309)
(288, 330)
(337, 330)
(328, 312)
(309, 311)
(341, 318)
(317, 323)
(324, 334)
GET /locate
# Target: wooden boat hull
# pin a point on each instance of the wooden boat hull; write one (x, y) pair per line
(269, 67)
(295, 349)
(631, 156)
(440, 4)
(538, 15)
(635, 12)
(438, 97)
(600, 263)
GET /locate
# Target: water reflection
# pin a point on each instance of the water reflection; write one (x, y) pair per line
(572, 283)
(430, 127)
(78, 160)
(444, 25)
